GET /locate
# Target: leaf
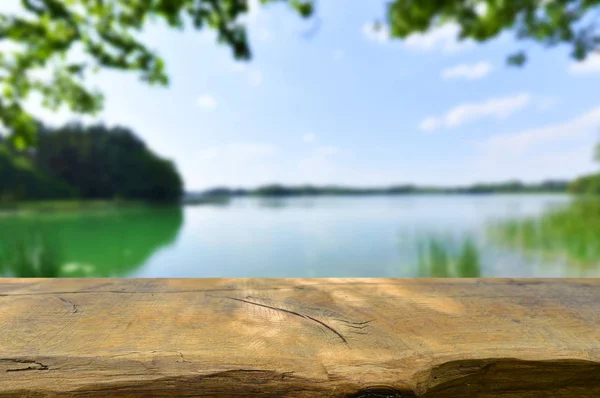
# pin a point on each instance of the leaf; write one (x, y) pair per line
(106, 31)
(19, 143)
(517, 59)
(304, 8)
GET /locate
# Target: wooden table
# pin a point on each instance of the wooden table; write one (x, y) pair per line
(300, 337)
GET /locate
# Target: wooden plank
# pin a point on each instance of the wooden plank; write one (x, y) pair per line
(300, 337)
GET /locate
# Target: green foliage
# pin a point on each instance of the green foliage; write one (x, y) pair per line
(107, 163)
(569, 232)
(87, 163)
(586, 185)
(442, 261)
(31, 253)
(589, 184)
(517, 59)
(549, 22)
(438, 260)
(19, 180)
(47, 33)
(468, 261)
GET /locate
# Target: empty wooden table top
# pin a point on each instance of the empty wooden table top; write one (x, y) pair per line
(299, 337)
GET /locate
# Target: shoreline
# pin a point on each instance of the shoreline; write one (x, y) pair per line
(69, 205)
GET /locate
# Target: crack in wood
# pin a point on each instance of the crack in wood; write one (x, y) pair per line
(296, 314)
(41, 366)
(356, 327)
(355, 324)
(75, 307)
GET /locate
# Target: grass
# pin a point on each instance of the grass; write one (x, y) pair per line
(571, 233)
(34, 255)
(439, 260)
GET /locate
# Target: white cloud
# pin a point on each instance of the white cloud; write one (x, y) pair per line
(443, 38)
(590, 65)
(379, 34)
(255, 77)
(338, 54)
(468, 72)
(206, 102)
(309, 138)
(519, 143)
(562, 150)
(499, 108)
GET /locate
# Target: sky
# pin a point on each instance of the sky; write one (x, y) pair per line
(331, 101)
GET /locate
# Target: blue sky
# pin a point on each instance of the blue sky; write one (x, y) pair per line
(349, 106)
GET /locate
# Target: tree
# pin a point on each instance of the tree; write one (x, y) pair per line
(48, 31)
(19, 179)
(587, 185)
(106, 163)
(106, 31)
(549, 22)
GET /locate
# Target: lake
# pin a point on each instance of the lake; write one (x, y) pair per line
(370, 236)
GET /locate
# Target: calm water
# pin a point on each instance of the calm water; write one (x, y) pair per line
(394, 236)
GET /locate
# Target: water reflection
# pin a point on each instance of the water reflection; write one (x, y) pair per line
(569, 232)
(116, 243)
(33, 253)
(273, 203)
(313, 237)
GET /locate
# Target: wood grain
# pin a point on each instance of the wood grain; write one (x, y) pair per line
(299, 337)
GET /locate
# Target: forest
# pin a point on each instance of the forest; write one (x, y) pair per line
(86, 162)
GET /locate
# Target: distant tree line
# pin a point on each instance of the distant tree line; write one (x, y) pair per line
(277, 190)
(87, 162)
